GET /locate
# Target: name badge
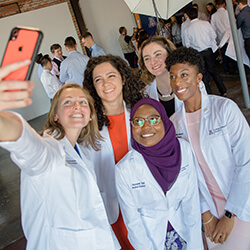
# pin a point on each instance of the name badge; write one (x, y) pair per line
(179, 135)
(216, 130)
(71, 161)
(138, 185)
(184, 168)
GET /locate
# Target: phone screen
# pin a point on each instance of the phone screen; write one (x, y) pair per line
(23, 44)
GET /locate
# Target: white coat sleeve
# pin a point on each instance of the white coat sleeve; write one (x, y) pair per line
(186, 39)
(51, 84)
(238, 201)
(190, 208)
(204, 205)
(212, 22)
(136, 231)
(32, 153)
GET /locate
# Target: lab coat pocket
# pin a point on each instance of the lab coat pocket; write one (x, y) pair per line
(148, 217)
(64, 239)
(218, 147)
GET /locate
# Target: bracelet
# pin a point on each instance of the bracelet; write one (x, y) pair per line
(204, 223)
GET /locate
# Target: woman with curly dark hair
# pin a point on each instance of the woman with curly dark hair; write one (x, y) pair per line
(155, 75)
(115, 89)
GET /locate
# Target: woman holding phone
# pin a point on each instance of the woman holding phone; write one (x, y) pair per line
(61, 205)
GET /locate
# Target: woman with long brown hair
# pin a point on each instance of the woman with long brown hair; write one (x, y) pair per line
(115, 89)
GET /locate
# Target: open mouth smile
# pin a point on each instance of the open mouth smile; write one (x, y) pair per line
(108, 91)
(77, 115)
(147, 135)
(182, 90)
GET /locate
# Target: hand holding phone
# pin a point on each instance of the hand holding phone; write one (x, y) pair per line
(23, 44)
(20, 98)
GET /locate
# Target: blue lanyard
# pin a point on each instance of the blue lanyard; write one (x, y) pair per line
(77, 150)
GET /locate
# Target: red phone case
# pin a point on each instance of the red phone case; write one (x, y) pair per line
(23, 44)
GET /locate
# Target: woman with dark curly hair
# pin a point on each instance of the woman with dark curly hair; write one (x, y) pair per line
(155, 75)
(115, 89)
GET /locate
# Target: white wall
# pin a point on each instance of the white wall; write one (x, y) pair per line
(54, 32)
(103, 19)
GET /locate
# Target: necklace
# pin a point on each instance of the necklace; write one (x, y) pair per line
(164, 96)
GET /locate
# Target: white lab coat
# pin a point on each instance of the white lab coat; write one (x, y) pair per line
(104, 164)
(146, 209)
(225, 144)
(61, 205)
(151, 91)
(50, 83)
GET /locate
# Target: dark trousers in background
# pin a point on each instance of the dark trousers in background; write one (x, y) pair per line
(247, 47)
(227, 61)
(132, 59)
(210, 67)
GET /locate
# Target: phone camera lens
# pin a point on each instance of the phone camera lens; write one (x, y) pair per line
(14, 34)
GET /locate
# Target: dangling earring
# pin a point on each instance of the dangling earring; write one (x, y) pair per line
(90, 119)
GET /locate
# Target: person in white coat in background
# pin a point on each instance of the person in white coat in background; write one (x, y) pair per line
(220, 138)
(155, 75)
(157, 185)
(61, 205)
(50, 82)
(115, 89)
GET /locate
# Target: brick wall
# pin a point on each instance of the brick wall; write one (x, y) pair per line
(9, 8)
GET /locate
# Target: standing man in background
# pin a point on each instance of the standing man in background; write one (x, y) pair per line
(56, 51)
(221, 25)
(127, 47)
(73, 67)
(200, 35)
(95, 49)
(243, 22)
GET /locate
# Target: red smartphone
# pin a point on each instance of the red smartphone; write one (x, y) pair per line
(23, 43)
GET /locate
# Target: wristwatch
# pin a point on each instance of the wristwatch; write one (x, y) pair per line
(228, 214)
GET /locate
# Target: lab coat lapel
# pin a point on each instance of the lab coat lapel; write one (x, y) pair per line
(84, 182)
(72, 157)
(146, 173)
(127, 118)
(106, 144)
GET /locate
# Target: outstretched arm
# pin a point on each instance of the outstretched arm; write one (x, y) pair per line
(10, 125)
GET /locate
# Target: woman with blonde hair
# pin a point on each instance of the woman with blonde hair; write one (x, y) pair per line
(60, 202)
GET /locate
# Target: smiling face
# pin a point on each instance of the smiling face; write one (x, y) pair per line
(154, 56)
(108, 83)
(148, 135)
(73, 110)
(58, 53)
(184, 80)
(209, 8)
